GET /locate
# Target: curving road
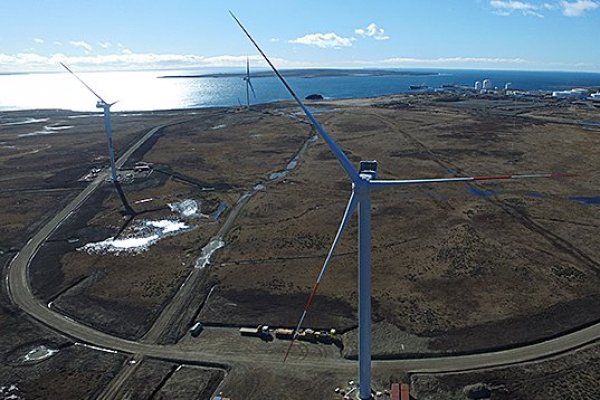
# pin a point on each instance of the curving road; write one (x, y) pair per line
(227, 354)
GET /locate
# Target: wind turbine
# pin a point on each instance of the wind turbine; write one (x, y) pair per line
(248, 83)
(108, 129)
(363, 180)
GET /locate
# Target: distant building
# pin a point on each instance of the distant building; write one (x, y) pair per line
(595, 96)
(141, 167)
(487, 84)
(478, 85)
(507, 86)
(573, 93)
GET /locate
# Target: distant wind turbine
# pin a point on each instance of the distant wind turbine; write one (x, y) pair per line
(248, 83)
(105, 106)
(363, 182)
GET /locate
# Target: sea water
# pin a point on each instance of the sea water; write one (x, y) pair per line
(146, 90)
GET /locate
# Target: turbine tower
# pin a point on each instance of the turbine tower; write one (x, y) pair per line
(364, 181)
(248, 84)
(111, 150)
(107, 123)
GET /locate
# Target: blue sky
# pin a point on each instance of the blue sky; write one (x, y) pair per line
(135, 34)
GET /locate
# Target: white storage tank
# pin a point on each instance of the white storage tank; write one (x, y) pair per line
(487, 84)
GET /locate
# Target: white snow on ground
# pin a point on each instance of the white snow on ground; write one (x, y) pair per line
(167, 226)
(89, 346)
(221, 126)
(48, 130)
(39, 353)
(207, 251)
(25, 121)
(84, 116)
(112, 245)
(10, 392)
(143, 201)
(187, 208)
(144, 235)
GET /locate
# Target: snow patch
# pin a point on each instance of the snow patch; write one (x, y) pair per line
(143, 201)
(25, 121)
(220, 126)
(167, 226)
(39, 353)
(10, 392)
(207, 251)
(144, 235)
(187, 208)
(89, 346)
(48, 130)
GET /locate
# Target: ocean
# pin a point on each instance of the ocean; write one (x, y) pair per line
(145, 90)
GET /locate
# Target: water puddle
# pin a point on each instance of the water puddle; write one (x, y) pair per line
(207, 251)
(293, 163)
(535, 195)
(590, 123)
(39, 353)
(278, 175)
(220, 210)
(475, 191)
(587, 200)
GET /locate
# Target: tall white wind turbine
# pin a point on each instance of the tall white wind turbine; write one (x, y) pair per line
(363, 180)
(107, 123)
(248, 84)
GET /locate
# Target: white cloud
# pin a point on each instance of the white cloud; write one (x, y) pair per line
(57, 43)
(507, 7)
(274, 40)
(578, 7)
(373, 31)
(38, 40)
(82, 45)
(22, 62)
(104, 45)
(323, 40)
(33, 62)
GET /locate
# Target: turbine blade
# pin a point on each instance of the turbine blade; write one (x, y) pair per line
(391, 183)
(345, 220)
(252, 88)
(84, 84)
(333, 146)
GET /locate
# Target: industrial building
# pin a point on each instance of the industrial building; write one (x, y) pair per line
(573, 93)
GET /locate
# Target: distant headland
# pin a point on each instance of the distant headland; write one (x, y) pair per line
(311, 73)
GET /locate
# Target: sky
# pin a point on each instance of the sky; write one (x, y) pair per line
(115, 34)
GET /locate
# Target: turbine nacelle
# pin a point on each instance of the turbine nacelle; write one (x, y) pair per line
(104, 105)
(368, 170)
